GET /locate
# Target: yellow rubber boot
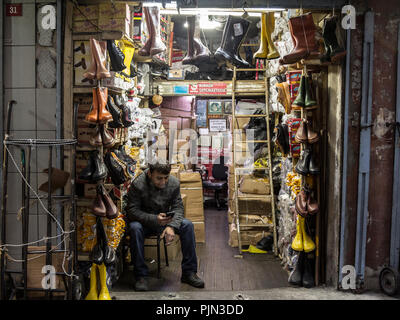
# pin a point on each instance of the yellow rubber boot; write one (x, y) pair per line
(92, 295)
(270, 23)
(262, 52)
(308, 243)
(104, 294)
(297, 243)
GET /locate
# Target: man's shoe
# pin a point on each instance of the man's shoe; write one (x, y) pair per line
(193, 280)
(141, 284)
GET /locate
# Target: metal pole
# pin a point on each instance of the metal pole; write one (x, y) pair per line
(49, 208)
(345, 154)
(25, 227)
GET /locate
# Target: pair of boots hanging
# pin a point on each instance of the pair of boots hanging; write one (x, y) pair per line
(305, 96)
(154, 44)
(103, 206)
(267, 48)
(93, 292)
(302, 241)
(97, 69)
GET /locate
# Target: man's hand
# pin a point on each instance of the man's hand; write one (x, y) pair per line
(169, 235)
(163, 220)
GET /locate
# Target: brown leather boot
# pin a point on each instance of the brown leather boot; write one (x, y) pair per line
(312, 136)
(312, 206)
(303, 31)
(301, 134)
(107, 137)
(145, 50)
(91, 71)
(93, 115)
(157, 45)
(104, 114)
(301, 203)
(100, 54)
(95, 139)
(98, 206)
(111, 208)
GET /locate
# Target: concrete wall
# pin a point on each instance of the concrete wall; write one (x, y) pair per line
(33, 115)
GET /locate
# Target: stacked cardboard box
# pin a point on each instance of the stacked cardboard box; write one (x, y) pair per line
(247, 237)
(192, 187)
(85, 18)
(115, 17)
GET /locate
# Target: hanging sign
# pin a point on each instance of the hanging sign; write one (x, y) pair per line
(208, 88)
(14, 9)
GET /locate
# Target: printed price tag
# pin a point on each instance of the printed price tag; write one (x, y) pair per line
(238, 29)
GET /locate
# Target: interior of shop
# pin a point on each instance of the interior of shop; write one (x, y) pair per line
(237, 101)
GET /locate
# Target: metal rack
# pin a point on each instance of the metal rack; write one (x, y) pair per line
(242, 171)
(26, 146)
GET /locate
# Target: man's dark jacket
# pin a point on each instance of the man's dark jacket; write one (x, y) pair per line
(144, 201)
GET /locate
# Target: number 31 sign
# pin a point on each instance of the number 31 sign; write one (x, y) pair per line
(14, 10)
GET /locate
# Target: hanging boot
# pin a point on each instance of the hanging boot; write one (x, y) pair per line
(301, 134)
(95, 139)
(334, 51)
(303, 164)
(262, 52)
(303, 31)
(91, 71)
(270, 22)
(297, 243)
(92, 295)
(126, 116)
(106, 137)
(188, 59)
(284, 96)
(98, 206)
(157, 45)
(115, 112)
(104, 114)
(111, 208)
(145, 50)
(308, 275)
(312, 206)
(100, 169)
(296, 274)
(301, 203)
(87, 172)
(312, 136)
(202, 54)
(308, 243)
(313, 167)
(93, 115)
(308, 101)
(104, 294)
(235, 31)
(100, 54)
(299, 102)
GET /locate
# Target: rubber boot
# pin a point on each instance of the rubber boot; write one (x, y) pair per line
(300, 99)
(106, 137)
(188, 59)
(92, 295)
(308, 101)
(104, 114)
(111, 208)
(145, 50)
(262, 52)
(104, 294)
(235, 31)
(270, 21)
(296, 275)
(335, 51)
(313, 167)
(308, 243)
(301, 134)
(307, 276)
(297, 243)
(202, 53)
(100, 54)
(91, 71)
(95, 139)
(87, 172)
(157, 45)
(100, 169)
(303, 31)
(93, 115)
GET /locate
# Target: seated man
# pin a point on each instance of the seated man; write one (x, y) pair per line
(151, 195)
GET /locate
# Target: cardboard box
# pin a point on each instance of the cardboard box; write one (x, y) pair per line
(190, 179)
(35, 275)
(251, 206)
(253, 185)
(175, 172)
(184, 200)
(173, 249)
(199, 231)
(83, 13)
(109, 11)
(85, 26)
(247, 237)
(122, 25)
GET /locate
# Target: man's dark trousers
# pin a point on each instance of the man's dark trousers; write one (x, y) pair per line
(138, 234)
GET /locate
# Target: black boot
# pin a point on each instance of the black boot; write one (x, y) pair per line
(303, 164)
(313, 167)
(234, 33)
(126, 116)
(296, 275)
(100, 171)
(335, 51)
(87, 172)
(115, 112)
(308, 277)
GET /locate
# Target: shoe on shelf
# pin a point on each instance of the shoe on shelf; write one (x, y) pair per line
(192, 279)
(141, 284)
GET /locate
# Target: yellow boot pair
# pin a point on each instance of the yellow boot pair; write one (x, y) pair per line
(302, 241)
(267, 48)
(104, 294)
